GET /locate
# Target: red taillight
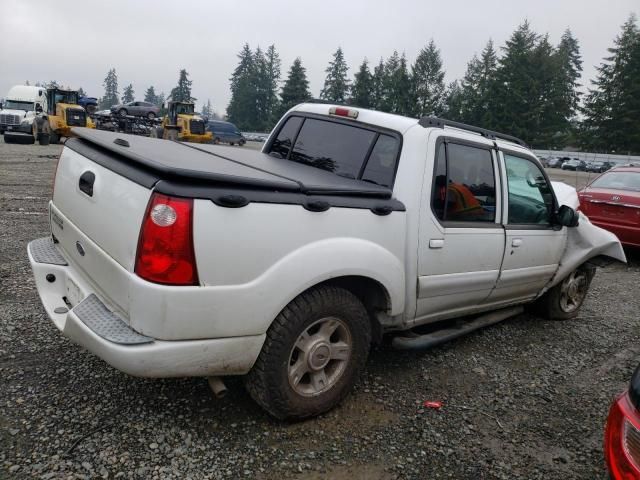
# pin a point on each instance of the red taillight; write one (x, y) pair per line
(165, 249)
(622, 440)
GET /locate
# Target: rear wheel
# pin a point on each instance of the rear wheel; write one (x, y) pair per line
(122, 112)
(151, 115)
(313, 353)
(563, 301)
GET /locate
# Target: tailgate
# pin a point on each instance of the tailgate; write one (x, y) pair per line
(106, 207)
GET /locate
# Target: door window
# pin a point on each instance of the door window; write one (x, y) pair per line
(464, 184)
(530, 195)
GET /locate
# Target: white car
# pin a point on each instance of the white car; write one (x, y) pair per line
(171, 260)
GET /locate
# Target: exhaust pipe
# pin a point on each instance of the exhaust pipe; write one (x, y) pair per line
(217, 386)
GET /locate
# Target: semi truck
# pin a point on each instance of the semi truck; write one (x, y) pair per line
(19, 111)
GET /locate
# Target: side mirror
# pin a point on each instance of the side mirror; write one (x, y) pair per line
(567, 217)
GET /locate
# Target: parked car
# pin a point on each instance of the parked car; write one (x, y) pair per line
(556, 162)
(286, 265)
(622, 433)
(598, 166)
(225, 132)
(612, 201)
(137, 109)
(574, 164)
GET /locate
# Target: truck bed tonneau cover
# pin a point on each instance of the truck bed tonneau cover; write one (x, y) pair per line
(174, 161)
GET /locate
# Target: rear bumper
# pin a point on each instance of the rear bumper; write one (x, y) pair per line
(91, 324)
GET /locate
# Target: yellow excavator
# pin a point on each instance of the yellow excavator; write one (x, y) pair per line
(181, 123)
(63, 113)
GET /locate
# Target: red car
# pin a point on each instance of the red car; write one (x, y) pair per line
(612, 202)
(622, 434)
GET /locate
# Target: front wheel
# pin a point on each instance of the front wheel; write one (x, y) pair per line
(151, 115)
(563, 301)
(122, 112)
(313, 353)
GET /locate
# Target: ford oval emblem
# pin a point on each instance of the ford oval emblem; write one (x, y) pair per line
(615, 198)
(80, 248)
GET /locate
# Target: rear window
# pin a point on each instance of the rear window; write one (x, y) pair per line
(618, 181)
(348, 151)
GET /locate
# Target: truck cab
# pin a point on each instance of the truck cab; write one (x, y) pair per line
(18, 113)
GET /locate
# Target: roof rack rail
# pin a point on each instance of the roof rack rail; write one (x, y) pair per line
(490, 134)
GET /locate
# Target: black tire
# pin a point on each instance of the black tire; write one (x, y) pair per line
(54, 138)
(44, 133)
(231, 143)
(122, 112)
(553, 304)
(151, 115)
(216, 141)
(241, 143)
(268, 381)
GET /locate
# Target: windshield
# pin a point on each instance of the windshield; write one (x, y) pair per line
(619, 181)
(18, 105)
(61, 96)
(187, 109)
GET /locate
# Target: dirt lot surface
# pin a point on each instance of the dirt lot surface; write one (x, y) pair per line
(524, 399)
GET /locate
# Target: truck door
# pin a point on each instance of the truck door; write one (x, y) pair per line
(533, 245)
(461, 239)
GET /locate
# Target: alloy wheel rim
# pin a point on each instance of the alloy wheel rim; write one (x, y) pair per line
(573, 292)
(319, 357)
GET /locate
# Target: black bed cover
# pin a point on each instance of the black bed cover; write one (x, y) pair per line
(212, 171)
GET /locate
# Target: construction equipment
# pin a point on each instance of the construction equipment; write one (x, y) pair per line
(181, 123)
(63, 112)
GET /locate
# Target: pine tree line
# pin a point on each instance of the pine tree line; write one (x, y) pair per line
(528, 87)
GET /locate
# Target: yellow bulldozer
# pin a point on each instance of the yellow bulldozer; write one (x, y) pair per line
(62, 113)
(181, 123)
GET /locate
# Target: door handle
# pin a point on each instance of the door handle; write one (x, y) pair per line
(516, 242)
(436, 243)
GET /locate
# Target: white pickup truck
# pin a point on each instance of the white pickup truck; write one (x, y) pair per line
(168, 259)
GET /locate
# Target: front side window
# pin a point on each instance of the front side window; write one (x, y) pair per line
(530, 195)
(464, 184)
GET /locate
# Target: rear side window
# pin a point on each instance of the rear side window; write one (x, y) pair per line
(346, 150)
(282, 144)
(381, 166)
(464, 184)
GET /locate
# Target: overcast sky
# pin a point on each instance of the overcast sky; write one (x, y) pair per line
(77, 41)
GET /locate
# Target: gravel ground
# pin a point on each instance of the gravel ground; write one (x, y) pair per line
(527, 398)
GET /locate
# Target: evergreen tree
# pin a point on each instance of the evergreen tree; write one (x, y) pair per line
(477, 88)
(362, 88)
(160, 99)
(54, 84)
(271, 80)
(295, 89)
(336, 83)
(207, 109)
(81, 93)
(612, 109)
(377, 89)
(396, 83)
(128, 95)
(515, 106)
(242, 106)
(150, 95)
(182, 92)
(427, 77)
(453, 104)
(110, 96)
